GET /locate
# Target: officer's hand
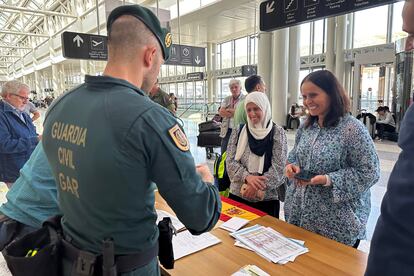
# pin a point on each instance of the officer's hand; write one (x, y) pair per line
(204, 172)
(39, 137)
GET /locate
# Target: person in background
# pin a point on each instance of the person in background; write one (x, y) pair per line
(251, 84)
(18, 136)
(226, 111)
(293, 116)
(339, 155)
(174, 100)
(30, 108)
(392, 244)
(385, 121)
(161, 97)
(106, 186)
(256, 156)
(30, 201)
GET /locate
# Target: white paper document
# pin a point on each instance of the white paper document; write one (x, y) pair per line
(234, 224)
(184, 243)
(269, 243)
(250, 270)
(178, 225)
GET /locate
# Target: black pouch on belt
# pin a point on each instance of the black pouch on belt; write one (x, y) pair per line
(166, 253)
(37, 253)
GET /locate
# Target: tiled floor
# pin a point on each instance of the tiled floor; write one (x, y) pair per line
(387, 152)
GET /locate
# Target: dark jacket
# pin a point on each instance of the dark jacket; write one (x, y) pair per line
(17, 141)
(392, 245)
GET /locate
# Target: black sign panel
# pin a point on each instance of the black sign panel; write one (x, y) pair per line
(195, 76)
(277, 14)
(84, 46)
(187, 56)
(249, 70)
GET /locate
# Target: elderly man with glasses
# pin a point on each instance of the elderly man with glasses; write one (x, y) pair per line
(18, 136)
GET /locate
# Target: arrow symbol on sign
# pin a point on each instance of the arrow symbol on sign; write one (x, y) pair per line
(197, 60)
(78, 40)
(269, 7)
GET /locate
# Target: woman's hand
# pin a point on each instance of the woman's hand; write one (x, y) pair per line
(291, 170)
(249, 192)
(256, 181)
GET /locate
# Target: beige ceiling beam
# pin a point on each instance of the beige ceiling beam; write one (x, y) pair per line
(33, 11)
(16, 47)
(22, 33)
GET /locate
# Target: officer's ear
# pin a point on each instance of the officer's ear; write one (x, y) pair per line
(150, 56)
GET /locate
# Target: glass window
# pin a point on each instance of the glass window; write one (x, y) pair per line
(180, 92)
(199, 93)
(305, 39)
(319, 36)
(189, 92)
(171, 70)
(240, 49)
(224, 89)
(164, 70)
(180, 70)
(226, 54)
(368, 29)
(397, 32)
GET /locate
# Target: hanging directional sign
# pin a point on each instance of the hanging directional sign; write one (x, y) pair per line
(248, 70)
(277, 14)
(84, 46)
(187, 56)
(195, 76)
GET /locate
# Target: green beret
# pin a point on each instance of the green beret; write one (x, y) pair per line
(149, 19)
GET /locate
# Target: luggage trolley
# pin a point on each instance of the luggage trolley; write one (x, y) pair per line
(209, 137)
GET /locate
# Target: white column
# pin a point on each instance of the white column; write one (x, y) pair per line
(294, 64)
(279, 73)
(264, 60)
(340, 46)
(211, 67)
(330, 45)
(84, 68)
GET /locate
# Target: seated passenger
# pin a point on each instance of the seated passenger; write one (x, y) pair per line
(385, 121)
(338, 150)
(256, 157)
(30, 201)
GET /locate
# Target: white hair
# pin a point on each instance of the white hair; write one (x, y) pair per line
(13, 87)
(234, 81)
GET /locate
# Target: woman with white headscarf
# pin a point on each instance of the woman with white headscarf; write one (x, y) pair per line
(256, 157)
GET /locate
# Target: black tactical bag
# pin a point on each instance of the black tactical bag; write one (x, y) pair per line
(37, 253)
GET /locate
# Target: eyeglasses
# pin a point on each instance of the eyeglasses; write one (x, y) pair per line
(21, 97)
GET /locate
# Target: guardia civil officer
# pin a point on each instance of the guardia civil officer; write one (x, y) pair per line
(106, 142)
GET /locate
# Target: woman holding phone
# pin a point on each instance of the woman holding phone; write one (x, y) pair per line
(332, 165)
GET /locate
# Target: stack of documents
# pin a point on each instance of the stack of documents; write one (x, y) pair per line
(270, 244)
(185, 244)
(178, 225)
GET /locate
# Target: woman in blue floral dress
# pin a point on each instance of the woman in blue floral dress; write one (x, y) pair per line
(338, 150)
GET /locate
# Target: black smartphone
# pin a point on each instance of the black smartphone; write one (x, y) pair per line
(305, 175)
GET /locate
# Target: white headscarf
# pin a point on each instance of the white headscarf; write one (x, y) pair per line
(259, 131)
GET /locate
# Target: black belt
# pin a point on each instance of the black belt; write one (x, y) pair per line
(124, 263)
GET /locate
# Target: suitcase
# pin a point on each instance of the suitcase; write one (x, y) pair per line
(209, 139)
(208, 126)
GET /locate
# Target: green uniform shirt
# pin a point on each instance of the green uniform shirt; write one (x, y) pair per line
(106, 142)
(163, 99)
(240, 116)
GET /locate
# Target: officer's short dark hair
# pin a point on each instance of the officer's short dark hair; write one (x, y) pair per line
(251, 82)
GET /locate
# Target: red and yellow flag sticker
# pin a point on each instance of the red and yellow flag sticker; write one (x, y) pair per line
(231, 208)
(179, 138)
